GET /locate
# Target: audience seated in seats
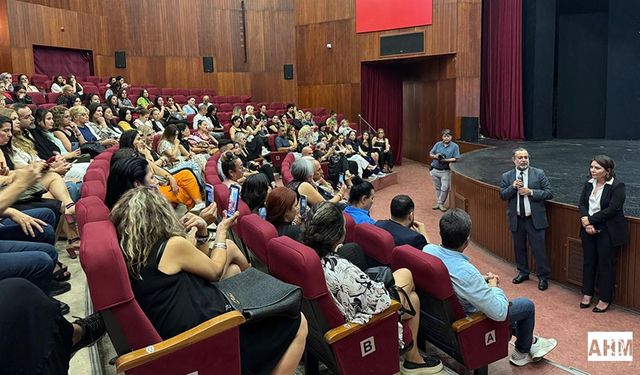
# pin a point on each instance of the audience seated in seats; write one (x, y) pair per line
(322, 186)
(366, 148)
(338, 163)
(77, 88)
(274, 124)
(176, 156)
(124, 101)
(91, 99)
(255, 190)
(358, 297)
(68, 97)
(218, 129)
(283, 212)
(19, 153)
(34, 337)
(206, 100)
(126, 119)
(65, 130)
(20, 95)
(173, 275)
(143, 100)
(478, 292)
(282, 141)
(58, 84)
(112, 102)
(257, 136)
(249, 112)
(380, 143)
(353, 142)
(307, 137)
(5, 96)
(47, 146)
(252, 162)
(27, 237)
(128, 171)
(236, 111)
(7, 78)
(403, 226)
(110, 120)
(143, 118)
(80, 117)
(364, 167)
(236, 125)
(157, 122)
(360, 201)
(105, 129)
(202, 116)
(175, 111)
(196, 153)
(179, 186)
(344, 128)
(112, 89)
(262, 113)
(202, 139)
(308, 119)
(190, 108)
(232, 169)
(23, 81)
(302, 172)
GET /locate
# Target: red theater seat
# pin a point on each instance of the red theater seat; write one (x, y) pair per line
(90, 90)
(277, 157)
(221, 196)
(350, 227)
(475, 340)
(256, 233)
(180, 99)
(338, 344)
(90, 209)
(94, 188)
(130, 329)
(184, 92)
(52, 97)
(93, 79)
(167, 92)
(376, 243)
(285, 169)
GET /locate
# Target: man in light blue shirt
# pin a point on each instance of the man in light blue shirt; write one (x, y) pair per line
(478, 292)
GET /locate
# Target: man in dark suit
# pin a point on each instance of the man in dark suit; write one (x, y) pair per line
(527, 188)
(402, 226)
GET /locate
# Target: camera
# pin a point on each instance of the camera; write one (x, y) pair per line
(440, 157)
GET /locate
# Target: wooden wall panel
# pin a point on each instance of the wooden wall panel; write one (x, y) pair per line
(490, 230)
(165, 41)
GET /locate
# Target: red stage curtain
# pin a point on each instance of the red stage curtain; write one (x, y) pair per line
(381, 102)
(501, 93)
(53, 61)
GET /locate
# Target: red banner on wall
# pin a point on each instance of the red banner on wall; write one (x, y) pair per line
(377, 15)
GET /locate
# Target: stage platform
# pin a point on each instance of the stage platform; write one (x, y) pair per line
(475, 188)
(565, 162)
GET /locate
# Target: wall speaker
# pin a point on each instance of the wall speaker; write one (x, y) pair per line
(207, 64)
(469, 129)
(288, 72)
(401, 44)
(121, 59)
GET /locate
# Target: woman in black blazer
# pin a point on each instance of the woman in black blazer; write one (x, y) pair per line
(604, 230)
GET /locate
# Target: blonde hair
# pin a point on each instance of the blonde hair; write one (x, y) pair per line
(142, 218)
(145, 130)
(78, 111)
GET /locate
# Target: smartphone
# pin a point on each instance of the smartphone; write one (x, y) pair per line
(75, 145)
(303, 205)
(208, 188)
(341, 179)
(262, 212)
(234, 197)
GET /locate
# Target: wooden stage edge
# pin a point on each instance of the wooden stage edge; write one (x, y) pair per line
(490, 230)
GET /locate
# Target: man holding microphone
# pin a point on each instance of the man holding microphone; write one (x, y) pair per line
(526, 189)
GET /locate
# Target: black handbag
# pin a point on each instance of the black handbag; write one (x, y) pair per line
(258, 295)
(383, 274)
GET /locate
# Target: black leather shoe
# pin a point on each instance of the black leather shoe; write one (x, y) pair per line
(64, 308)
(585, 305)
(56, 288)
(598, 310)
(520, 278)
(543, 284)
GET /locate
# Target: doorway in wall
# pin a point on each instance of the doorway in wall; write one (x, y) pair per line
(52, 61)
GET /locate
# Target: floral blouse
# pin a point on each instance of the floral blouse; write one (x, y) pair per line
(356, 295)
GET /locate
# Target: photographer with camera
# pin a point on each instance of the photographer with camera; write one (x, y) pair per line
(443, 153)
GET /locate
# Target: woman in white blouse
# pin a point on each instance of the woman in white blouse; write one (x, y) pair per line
(604, 230)
(358, 297)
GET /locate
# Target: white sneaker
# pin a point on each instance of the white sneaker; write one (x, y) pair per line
(381, 174)
(265, 152)
(198, 207)
(520, 359)
(542, 347)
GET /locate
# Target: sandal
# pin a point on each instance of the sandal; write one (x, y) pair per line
(70, 218)
(61, 275)
(71, 249)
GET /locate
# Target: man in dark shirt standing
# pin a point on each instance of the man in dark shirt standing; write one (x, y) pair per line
(402, 225)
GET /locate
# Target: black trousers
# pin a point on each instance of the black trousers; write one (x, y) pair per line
(385, 157)
(599, 257)
(525, 231)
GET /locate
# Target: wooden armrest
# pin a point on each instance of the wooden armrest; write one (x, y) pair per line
(347, 329)
(196, 334)
(471, 320)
